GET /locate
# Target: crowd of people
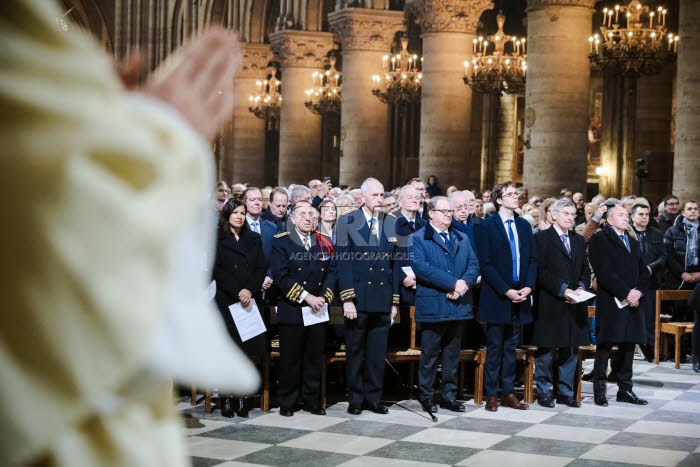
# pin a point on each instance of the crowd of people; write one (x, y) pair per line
(518, 265)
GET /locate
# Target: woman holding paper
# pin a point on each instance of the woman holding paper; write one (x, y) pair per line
(239, 271)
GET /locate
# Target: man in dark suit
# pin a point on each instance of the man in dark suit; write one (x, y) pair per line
(508, 264)
(306, 279)
(460, 220)
(446, 269)
(561, 324)
(407, 222)
(622, 278)
(252, 197)
(366, 243)
(276, 212)
(419, 185)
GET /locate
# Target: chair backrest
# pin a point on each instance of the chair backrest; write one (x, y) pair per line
(412, 315)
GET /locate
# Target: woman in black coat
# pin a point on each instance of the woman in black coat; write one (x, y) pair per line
(239, 271)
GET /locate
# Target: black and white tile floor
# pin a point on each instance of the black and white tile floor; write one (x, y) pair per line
(665, 433)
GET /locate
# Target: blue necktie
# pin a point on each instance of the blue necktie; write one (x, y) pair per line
(566, 244)
(255, 227)
(445, 239)
(513, 250)
(626, 241)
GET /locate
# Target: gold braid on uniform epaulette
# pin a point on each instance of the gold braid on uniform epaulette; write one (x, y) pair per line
(395, 299)
(347, 294)
(329, 296)
(281, 234)
(295, 292)
(325, 234)
(390, 214)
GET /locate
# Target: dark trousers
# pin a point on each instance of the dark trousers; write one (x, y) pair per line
(649, 309)
(565, 362)
(501, 342)
(621, 364)
(439, 342)
(301, 357)
(365, 343)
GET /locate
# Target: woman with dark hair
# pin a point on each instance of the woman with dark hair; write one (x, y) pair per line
(239, 271)
(329, 215)
(432, 187)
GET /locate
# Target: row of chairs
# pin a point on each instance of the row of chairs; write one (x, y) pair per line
(477, 357)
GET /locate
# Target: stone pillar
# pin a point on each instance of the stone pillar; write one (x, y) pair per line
(686, 161)
(299, 53)
(243, 138)
(448, 29)
(366, 36)
(556, 95)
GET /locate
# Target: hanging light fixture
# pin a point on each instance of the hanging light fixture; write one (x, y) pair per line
(265, 102)
(401, 78)
(326, 91)
(634, 40)
(497, 72)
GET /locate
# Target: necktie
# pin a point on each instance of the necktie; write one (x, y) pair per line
(307, 245)
(255, 227)
(413, 225)
(564, 239)
(373, 227)
(626, 241)
(445, 239)
(513, 250)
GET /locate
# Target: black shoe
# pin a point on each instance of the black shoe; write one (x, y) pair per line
(568, 401)
(226, 407)
(454, 406)
(314, 410)
(354, 410)
(376, 408)
(429, 406)
(545, 401)
(587, 376)
(601, 401)
(241, 408)
(286, 412)
(630, 397)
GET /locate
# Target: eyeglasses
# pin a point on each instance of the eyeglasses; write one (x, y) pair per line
(304, 215)
(444, 211)
(509, 195)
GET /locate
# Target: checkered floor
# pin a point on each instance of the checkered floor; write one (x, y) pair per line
(666, 432)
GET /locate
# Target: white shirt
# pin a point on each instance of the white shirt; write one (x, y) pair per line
(439, 232)
(515, 234)
(560, 233)
(250, 223)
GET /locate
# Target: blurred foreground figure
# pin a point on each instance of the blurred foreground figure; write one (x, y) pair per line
(104, 199)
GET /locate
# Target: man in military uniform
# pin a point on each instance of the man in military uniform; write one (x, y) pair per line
(302, 271)
(366, 246)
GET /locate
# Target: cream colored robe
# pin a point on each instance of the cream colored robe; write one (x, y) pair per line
(95, 188)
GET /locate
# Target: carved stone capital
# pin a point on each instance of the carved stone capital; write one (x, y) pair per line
(448, 15)
(301, 48)
(366, 29)
(539, 4)
(256, 58)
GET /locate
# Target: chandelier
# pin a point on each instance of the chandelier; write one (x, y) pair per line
(400, 79)
(326, 92)
(630, 44)
(498, 72)
(265, 102)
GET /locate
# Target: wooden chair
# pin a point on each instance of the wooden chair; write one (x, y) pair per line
(584, 352)
(478, 358)
(663, 327)
(527, 355)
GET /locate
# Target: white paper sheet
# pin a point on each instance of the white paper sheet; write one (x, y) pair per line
(621, 304)
(249, 322)
(211, 291)
(581, 296)
(408, 270)
(321, 316)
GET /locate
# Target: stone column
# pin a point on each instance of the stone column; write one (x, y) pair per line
(299, 53)
(556, 95)
(243, 138)
(448, 29)
(686, 161)
(366, 36)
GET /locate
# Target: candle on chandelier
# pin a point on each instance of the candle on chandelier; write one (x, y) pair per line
(590, 42)
(670, 41)
(597, 42)
(474, 41)
(663, 18)
(385, 59)
(675, 44)
(617, 12)
(522, 41)
(610, 18)
(651, 19)
(393, 63)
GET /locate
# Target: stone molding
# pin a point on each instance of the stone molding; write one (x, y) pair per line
(256, 58)
(448, 15)
(362, 29)
(537, 4)
(301, 48)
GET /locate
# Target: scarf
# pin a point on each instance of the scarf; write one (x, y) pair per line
(691, 250)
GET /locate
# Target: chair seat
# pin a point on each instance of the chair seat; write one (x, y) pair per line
(677, 327)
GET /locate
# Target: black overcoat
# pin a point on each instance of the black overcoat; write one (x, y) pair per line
(617, 272)
(557, 323)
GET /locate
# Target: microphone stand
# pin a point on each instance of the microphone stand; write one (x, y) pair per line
(412, 391)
